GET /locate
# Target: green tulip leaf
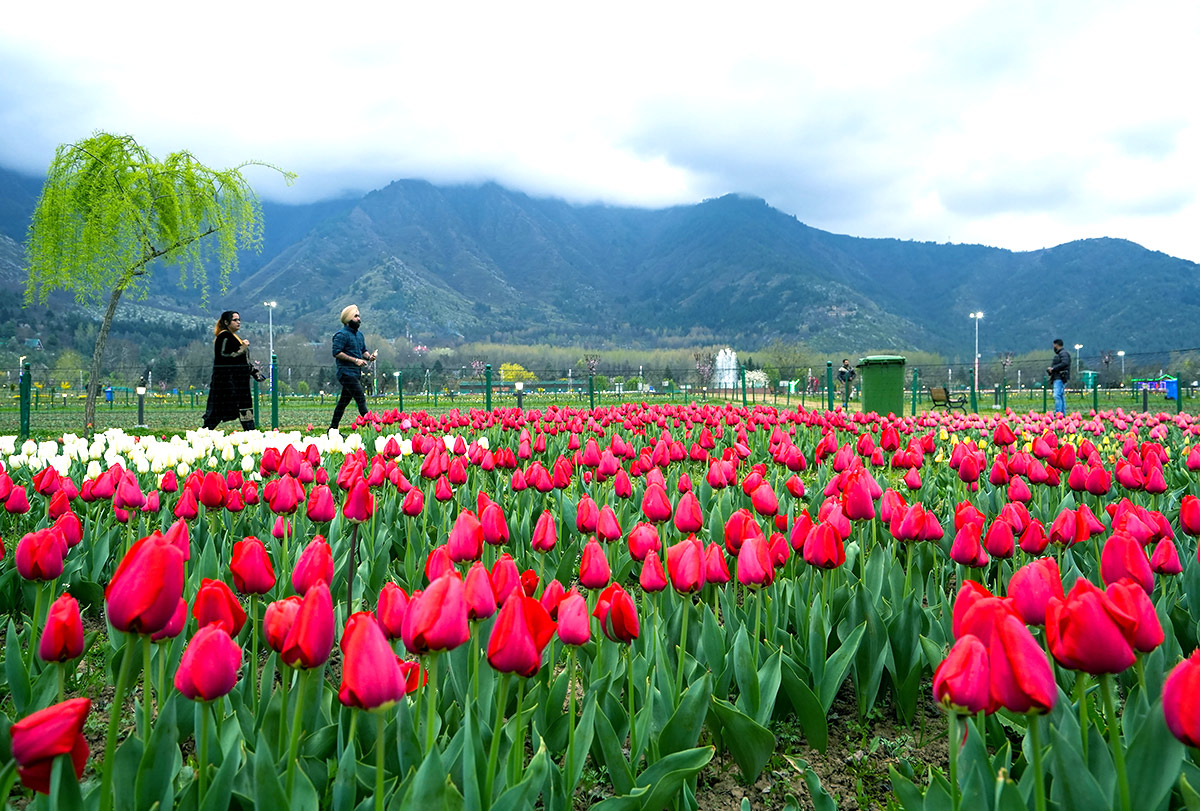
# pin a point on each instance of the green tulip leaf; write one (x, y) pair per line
(345, 784)
(905, 791)
(15, 671)
(161, 761)
(838, 665)
(268, 792)
(683, 730)
(1074, 786)
(524, 794)
(126, 763)
(609, 751)
(1154, 760)
(750, 743)
(64, 785)
(220, 790)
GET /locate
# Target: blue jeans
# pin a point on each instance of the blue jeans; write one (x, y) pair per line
(1060, 402)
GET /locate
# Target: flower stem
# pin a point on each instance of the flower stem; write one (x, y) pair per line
(954, 744)
(285, 673)
(114, 722)
(382, 725)
(497, 731)
(294, 744)
(34, 621)
(1039, 787)
(202, 755)
(254, 653)
(1081, 689)
(1114, 739)
(431, 707)
(683, 624)
(147, 692)
(518, 766)
(633, 742)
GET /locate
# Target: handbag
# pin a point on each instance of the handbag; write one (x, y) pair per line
(256, 370)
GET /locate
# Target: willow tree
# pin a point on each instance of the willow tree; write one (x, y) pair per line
(110, 212)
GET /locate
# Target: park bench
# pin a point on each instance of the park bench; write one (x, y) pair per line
(942, 399)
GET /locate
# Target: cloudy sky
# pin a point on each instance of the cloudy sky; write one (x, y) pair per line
(1016, 124)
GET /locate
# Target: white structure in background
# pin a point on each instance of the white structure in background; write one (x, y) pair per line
(725, 369)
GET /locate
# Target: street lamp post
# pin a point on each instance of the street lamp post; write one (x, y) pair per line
(1121, 355)
(1078, 364)
(270, 305)
(977, 316)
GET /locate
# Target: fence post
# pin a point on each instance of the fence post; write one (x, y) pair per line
(829, 383)
(1145, 399)
(1178, 395)
(591, 391)
(1043, 394)
(1096, 393)
(400, 388)
(257, 412)
(487, 387)
(916, 388)
(974, 397)
(25, 386)
(742, 373)
(274, 393)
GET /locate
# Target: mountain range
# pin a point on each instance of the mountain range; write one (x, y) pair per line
(447, 264)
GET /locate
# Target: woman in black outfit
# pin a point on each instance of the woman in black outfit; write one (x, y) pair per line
(229, 394)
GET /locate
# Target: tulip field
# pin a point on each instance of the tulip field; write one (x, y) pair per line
(491, 610)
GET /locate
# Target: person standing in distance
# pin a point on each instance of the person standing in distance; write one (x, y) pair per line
(350, 354)
(1059, 372)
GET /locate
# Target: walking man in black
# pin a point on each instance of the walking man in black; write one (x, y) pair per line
(350, 353)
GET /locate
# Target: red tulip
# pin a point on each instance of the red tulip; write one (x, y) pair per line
(1031, 588)
(278, 620)
(494, 524)
(213, 491)
(41, 737)
(442, 491)
(17, 502)
(186, 508)
(652, 578)
(686, 565)
(505, 577)
(545, 533)
(967, 548)
(320, 507)
(716, 570)
(437, 619)
(587, 515)
(824, 547)
(1189, 515)
(315, 565)
(1130, 598)
(593, 566)
(754, 568)
(1165, 559)
(1123, 557)
(1088, 632)
(360, 503)
(216, 604)
(251, 567)
(574, 624)
(688, 517)
(520, 635)
(62, 638)
(371, 674)
(393, 603)
(960, 682)
(999, 541)
(617, 614)
(210, 664)
(466, 538)
(310, 639)
(607, 527)
(857, 492)
(643, 539)
(477, 591)
(40, 554)
(764, 500)
(128, 494)
(144, 593)
(655, 504)
(414, 502)
(1021, 678)
(1180, 707)
(174, 626)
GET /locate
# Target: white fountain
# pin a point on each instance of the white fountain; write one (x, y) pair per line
(725, 369)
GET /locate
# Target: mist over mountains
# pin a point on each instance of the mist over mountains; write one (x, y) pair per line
(447, 264)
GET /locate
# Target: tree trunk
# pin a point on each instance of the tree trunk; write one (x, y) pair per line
(93, 389)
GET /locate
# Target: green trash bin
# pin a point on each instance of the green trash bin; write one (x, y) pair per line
(882, 381)
(1089, 378)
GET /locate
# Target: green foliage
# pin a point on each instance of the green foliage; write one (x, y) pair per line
(109, 208)
(512, 372)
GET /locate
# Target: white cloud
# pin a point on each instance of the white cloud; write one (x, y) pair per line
(1013, 124)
